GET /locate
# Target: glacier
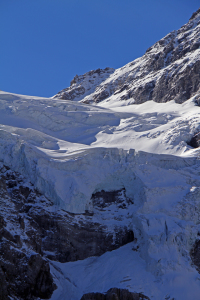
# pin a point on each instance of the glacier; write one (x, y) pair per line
(107, 153)
(104, 139)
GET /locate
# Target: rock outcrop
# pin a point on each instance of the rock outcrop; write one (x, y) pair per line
(33, 231)
(195, 255)
(169, 70)
(195, 141)
(84, 85)
(115, 294)
(24, 273)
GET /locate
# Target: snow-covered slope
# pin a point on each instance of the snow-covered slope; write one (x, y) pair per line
(123, 165)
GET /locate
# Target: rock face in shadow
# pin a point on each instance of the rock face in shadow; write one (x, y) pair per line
(195, 141)
(64, 239)
(115, 294)
(24, 274)
(103, 198)
(33, 230)
(195, 255)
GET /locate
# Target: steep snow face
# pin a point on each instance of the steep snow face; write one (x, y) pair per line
(169, 70)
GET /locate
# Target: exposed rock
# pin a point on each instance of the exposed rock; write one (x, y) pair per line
(195, 254)
(23, 274)
(85, 84)
(103, 199)
(65, 239)
(195, 141)
(101, 96)
(195, 14)
(115, 294)
(32, 231)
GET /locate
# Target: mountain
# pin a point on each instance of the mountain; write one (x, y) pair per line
(99, 185)
(84, 85)
(169, 70)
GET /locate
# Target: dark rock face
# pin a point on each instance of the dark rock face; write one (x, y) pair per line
(103, 199)
(31, 231)
(180, 87)
(195, 14)
(24, 274)
(195, 141)
(195, 255)
(72, 94)
(65, 240)
(101, 96)
(115, 294)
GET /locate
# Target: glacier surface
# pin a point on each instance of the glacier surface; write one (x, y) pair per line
(70, 150)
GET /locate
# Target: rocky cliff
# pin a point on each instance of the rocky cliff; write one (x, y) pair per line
(32, 232)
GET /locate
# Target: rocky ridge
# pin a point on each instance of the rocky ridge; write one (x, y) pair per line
(169, 70)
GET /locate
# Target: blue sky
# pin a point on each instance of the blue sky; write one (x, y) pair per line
(45, 43)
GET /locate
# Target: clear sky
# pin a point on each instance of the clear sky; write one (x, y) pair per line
(45, 43)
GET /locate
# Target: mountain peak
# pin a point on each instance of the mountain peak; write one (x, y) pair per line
(167, 71)
(195, 14)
